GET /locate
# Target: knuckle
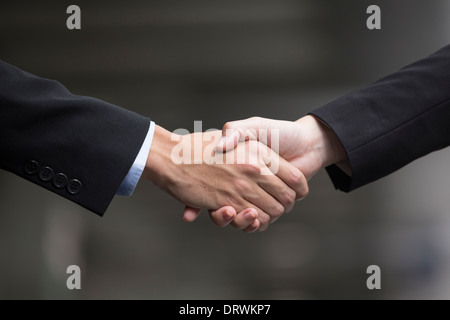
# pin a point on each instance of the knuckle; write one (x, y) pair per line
(304, 193)
(228, 125)
(278, 210)
(296, 177)
(250, 169)
(242, 186)
(264, 219)
(255, 118)
(289, 197)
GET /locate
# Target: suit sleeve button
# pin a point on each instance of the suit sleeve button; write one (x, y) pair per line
(46, 174)
(60, 180)
(74, 186)
(31, 167)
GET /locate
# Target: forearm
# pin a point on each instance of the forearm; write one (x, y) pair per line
(324, 144)
(158, 167)
(78, 138)
(393, 121)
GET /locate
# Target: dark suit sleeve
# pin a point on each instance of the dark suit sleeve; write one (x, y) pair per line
(392, 122)
(78, 147)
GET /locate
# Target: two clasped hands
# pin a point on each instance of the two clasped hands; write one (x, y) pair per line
(259, 184)
(246, 175)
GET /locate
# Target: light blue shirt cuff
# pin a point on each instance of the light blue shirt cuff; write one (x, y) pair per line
(134, 174)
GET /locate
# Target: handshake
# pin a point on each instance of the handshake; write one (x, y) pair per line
(246, 175)
(249, 174)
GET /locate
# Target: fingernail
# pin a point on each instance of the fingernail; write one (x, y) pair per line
(250, 215)
(227, 215)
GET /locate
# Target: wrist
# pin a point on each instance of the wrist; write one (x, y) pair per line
(324, 144)
(159, 164)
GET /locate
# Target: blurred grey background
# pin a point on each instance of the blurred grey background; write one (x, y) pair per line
(177, 61)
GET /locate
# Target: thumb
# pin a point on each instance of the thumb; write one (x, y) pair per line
(233, 132)
(190, 214)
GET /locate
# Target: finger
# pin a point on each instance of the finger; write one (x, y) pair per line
(252, 227)
(256, 197)
(228, 141)
(223, 216)
(259, 189)
(291, 176)
(267, 192)
(282, 196)
(190, 214)
(245, 218)
(264, 226)
(243, 130)
(269, 206)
